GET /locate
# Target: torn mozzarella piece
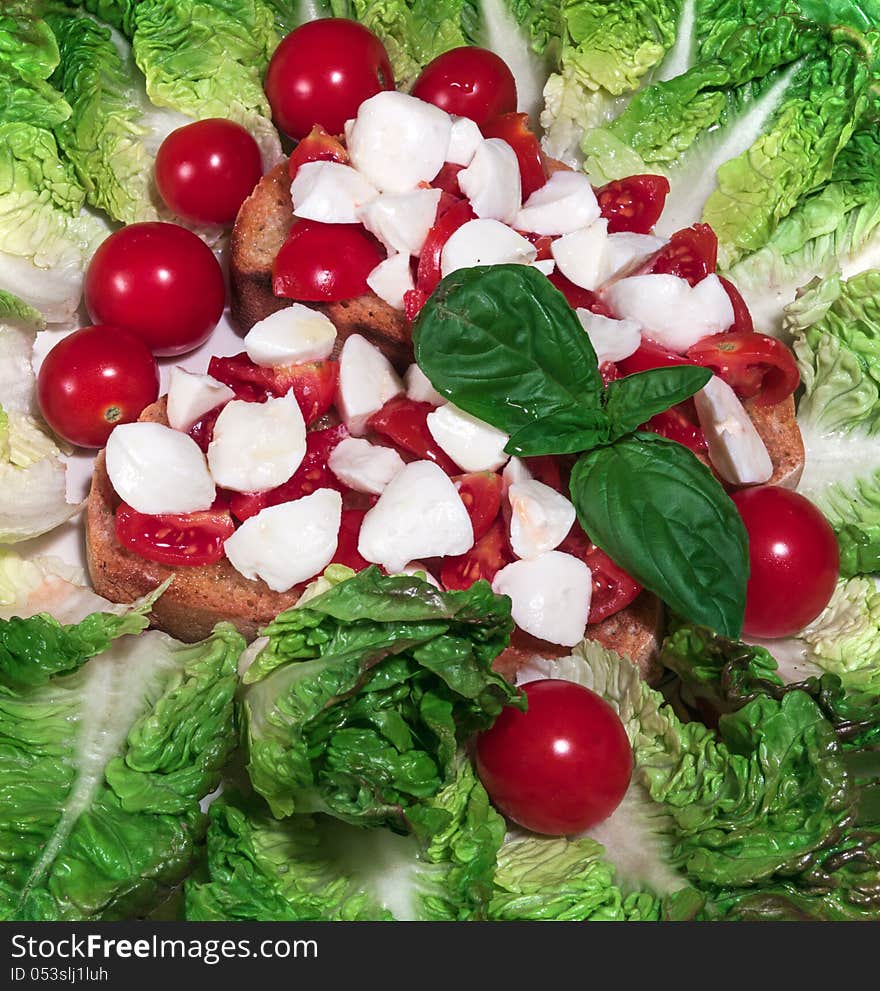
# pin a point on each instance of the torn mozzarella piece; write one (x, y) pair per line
(464, 139)
(564, 204)
(330, 192)
(367, 381)
(669, 310)
(579, 256)
(398, 141)
(472, 444)
(419, 388)
(736, 449)
(191, 395)
(540, 518)
(545, 266)
(420, 514)
(294, 334)
(550, 596)
(485, 242)
(515, 471)
(290, 543)
(157, 469)
(624, 250)
(363, 466)
(391, 279)
(612, 340)
(257, 446)
(401, 221)
(492, 181)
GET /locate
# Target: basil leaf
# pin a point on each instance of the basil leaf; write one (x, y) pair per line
(663, 517)
(631, 401)
(503, 344)
(561, 434)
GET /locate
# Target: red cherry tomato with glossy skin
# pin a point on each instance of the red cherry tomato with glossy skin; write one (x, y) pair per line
(159, 281)
(207, 169)
(754, 365)
(691, 254)
(514, 129)
(483, 561)
(94, 379)
(613, 588)
(186, 540)
(561, 766)
(793, 559)
(742, 319)
(404, 422)
(316, 146)
(325, 263)
(633, 204)
(480, 492)
(469, 82)
(322, 72)
(578, 298)
(447, 223)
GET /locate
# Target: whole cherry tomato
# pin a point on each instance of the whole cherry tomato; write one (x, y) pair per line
(94, 379)
(468, 82)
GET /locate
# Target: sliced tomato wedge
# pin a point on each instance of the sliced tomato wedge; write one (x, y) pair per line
(514, 129)
(202, 431)
(681, 425)
(480, 492)
(313, 382)
(754, 365)
(579, 298)
(447, 179)
(691, 254)
(178, 540)
(318, 146)
(650, 355)
(311, 475)
(405, 423)
(546, 468)
(413, 301)
(484, 560)
(613, 588)
(742, 319)
(633, 204)
(449, 219)
(349, 534)
(609, 372)
(543, 244)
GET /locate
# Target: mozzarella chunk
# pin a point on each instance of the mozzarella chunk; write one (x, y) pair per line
(420, 514)
(485, 242)
(624, 251)
(191, 395)
(464, 140)
(515, 471)
(545, 266)
(397, 141)
(363, 466)
(289, 336)
(579, 256)
(330, 192)
(564, 204)
(612, 340)
(367, 381)
(391, 279)
(401, 221)
(472, 444)
(157, 469)
(419, 570)
(736, 449)
(669, 310)
(419, 388)
(257, 446)
(290, 543)
(540, 518)
(550, 596)
(492, 181)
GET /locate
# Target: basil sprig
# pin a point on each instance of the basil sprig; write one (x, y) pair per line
(502, 343)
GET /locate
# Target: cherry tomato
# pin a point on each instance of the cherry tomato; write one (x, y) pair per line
(413, 301)
(347, 544)
(793, 559)
(514, 129)
(480, 492)
(325, 263)
(609, 372)
(447, 223)
(680, 424)
(207, 169)
(650, 355)
(93, 379)
(579, 298)
(322, 72)
(561, 766)
(691, 254)
(613, 588)
(185, 540)
(753, 365)
(545, 468)
(202, 431)
(313, 382)
(316, 146)
(159, 281)
(633, 204)
(483, 561)
(447, 179)
(469, 82)
(404, 422)
(742, 319)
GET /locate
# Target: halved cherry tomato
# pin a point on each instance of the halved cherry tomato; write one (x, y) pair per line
(484, 560)
(650, 355)
(404, 422)
(679, 424)
(318, 146)
(545, 468)
(311, 475)
(691, 254)
(325, 263)
(609, 372)
(613, 588)
(413, 301)
(349, 534)
(313, 382)
(579, 298)
(633, 204)
(742, 319)
(202, 431)
(447, 223)
(183, 540)
(514, 129)
(543, 244)
(754, 365)
(480, 492)
(447, 179)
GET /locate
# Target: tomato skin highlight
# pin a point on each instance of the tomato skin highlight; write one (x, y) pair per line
(754, 365)
(633, 204)
(94, 379)
(793, 558)
(185, 540)
(469, 82)
(561, 766)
